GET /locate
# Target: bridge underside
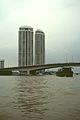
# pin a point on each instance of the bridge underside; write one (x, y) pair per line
(32, 72)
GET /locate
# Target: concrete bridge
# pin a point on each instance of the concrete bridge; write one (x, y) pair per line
(32, 68)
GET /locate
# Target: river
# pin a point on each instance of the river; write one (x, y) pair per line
(45, 97)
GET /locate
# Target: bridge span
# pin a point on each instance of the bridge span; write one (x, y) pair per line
(28, 69)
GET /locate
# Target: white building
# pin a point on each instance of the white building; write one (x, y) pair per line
(39, 47)
(25, 50)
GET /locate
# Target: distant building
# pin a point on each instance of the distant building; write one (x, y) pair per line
(39, 47)
(25, 51)
(1, 64)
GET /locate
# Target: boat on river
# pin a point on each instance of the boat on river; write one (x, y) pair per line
(65, 72)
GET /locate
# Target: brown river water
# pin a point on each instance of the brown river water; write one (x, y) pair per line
(39, 98)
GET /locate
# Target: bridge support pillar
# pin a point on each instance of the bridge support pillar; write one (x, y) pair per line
(28, 72)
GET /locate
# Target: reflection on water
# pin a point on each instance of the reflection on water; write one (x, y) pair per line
(39, 98)
(31, 98)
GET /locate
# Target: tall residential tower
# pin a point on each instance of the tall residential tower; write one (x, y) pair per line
(25, 49)
(39, 47)
(1, 63)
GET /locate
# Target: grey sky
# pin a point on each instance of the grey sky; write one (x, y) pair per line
(59, 19)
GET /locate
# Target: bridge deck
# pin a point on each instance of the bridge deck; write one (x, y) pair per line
(44, 66)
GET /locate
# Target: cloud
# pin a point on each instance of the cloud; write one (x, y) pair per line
(71, 3)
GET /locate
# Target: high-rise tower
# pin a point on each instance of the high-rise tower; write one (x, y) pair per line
(39, 47)
(25, 50)
(1, 63)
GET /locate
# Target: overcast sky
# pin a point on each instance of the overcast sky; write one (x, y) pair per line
(59, 19)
